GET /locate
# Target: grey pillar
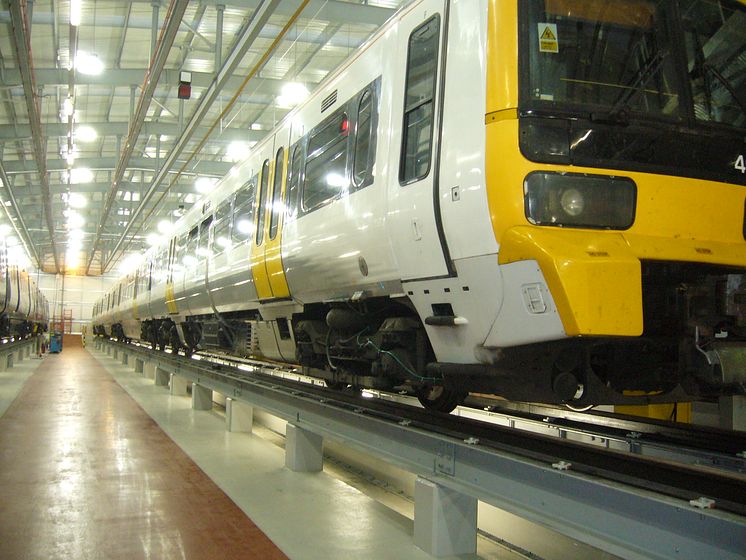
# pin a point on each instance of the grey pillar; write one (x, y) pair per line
(148, 371)
(178, 385)
(162, 377)
(201, 397)
(139, 365)
(239, 417)
(125, 358)
(445, 521)
(733, 412)
(303, 450)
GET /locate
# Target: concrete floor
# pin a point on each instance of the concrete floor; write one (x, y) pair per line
(307, 515)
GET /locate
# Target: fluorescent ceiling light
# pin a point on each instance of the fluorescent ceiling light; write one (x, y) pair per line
(87, 63)
(75, 12)
(4, 230)
(75, 220)
(291, 95)
(165, 227)
(204, 184)
(237, 151)
(81, 175)
(77, 200)
(153, 239)
(85, 134)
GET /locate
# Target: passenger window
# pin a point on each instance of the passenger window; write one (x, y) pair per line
(204, 238)
(293, 182)
(221, 235)
(277, 192)
(419, 102)
(262, 203)
(326, 165)
(362, 163)
(243, 212)
(190, 256)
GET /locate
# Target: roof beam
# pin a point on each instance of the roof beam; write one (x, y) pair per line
(165, 42)
(15, 132)
(21, 39)
(239, 49)
(204, 167)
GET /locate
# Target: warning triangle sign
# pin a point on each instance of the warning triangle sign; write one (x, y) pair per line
(547, 34)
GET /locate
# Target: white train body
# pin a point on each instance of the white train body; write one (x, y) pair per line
(23, 308)
(409, 220)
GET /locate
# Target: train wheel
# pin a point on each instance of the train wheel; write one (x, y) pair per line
(440, 398)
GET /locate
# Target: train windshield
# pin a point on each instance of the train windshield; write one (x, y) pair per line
(677, 60)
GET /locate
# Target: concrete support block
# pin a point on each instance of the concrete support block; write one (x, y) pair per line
(9, 360)
(125, 358)
(733, 412)
(239, 417)
(19, 353)
(27, 350)
(115, 353)
(139, 365)
(148, 370)
(201, 397)
(445, 521)
(108, 350)
(304, 450)
(3, 362)
(178, 385)
(162, 377)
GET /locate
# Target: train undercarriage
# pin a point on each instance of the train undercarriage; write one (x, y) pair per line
(694, 346)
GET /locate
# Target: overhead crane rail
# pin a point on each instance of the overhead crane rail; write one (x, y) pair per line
(628, 505)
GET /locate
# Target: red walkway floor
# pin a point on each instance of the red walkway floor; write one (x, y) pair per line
(85, 473)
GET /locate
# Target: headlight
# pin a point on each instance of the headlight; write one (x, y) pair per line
(580, 200)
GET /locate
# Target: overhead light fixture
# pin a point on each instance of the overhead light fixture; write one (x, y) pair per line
(204, 184)
(75, 220)
(5, 230)
(130, 263)
(70, 158)
(86, 134)
(87, 63)
(292, 94)
(237, 151)
(77, 200)
(67, 107)
(75, 234)
(81, 175)
(75, 12)
(165, 226)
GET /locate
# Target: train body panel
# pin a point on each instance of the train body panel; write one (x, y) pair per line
(454, 207)
(23, 308)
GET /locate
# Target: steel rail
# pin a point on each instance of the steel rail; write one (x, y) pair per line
(602, 505)
(681, 481)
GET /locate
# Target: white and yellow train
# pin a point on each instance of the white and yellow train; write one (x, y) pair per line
(542, 199)
(24, 310)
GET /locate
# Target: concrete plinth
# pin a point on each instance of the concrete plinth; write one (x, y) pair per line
(108, 350)
(239, 417)
(303, 450)
(162, 377)
(201, 397)
(19, 353)
(148, 371)
(125, 358)
(115, 353)
(8, 360)
(445, 521)
(178, 385)
(733, 412)
(139, 365)
(27, 350)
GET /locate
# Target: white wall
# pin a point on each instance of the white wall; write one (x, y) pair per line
(79, 295)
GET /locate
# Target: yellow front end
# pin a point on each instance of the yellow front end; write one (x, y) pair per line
(595, 275)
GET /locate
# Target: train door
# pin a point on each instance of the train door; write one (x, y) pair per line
(416, 228)
(266, 255)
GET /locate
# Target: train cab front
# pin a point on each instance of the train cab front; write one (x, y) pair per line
(625, 160)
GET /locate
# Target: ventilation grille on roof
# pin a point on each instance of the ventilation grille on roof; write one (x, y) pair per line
(330, 100)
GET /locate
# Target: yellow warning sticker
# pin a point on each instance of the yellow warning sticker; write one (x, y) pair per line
(548, 39)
